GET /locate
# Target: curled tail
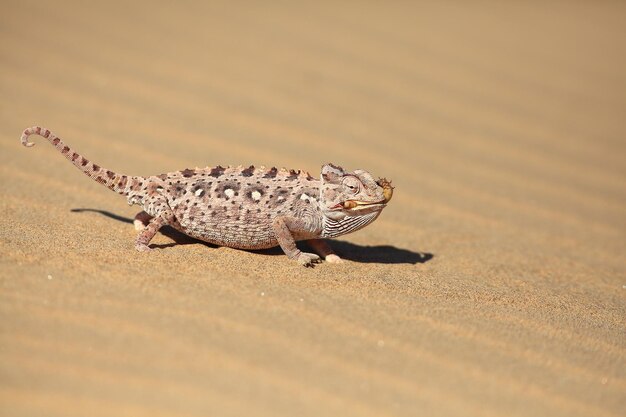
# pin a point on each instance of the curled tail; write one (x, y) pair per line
(116, 182)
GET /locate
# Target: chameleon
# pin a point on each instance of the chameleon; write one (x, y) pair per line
(244, 207)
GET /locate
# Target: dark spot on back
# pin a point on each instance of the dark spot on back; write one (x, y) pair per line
(271, 173)
(84, 162)
(111, 174)
(248, 171)
(96, 167)
(188, 173)
(177, 190)
(55, 141)
(217, 171)
(293, 174)
(65, 149)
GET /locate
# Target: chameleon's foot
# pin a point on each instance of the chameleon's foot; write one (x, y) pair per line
(142, 248)
(308, 259)
(321, 246)
(333, 259)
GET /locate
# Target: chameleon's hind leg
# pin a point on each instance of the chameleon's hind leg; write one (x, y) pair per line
(141, 220)
(146, 235)
(324, 250)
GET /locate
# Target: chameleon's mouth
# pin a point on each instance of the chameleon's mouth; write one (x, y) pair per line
(356, 205)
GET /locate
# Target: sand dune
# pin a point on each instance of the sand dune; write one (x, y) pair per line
(492, 285)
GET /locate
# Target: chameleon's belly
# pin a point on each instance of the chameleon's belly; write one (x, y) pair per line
(232, 231)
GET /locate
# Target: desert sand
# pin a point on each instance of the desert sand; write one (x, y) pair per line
(492, 285)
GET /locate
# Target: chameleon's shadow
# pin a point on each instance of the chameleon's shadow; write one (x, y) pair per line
(179, 238)
(384, 254)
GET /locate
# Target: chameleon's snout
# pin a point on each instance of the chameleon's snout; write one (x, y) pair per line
(387, 188)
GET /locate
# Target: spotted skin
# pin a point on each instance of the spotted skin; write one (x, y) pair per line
(244, 207)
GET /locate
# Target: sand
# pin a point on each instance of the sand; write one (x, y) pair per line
(492, 285)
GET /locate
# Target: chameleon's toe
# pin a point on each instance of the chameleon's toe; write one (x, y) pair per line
(308, 259)
(142, 248)
(333, 259)
(139, 225)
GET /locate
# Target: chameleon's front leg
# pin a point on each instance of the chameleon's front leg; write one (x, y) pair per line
(283, 226)
(321, 246)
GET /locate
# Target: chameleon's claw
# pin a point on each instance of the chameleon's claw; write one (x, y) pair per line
(308, 259)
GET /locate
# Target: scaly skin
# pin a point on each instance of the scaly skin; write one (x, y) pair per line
(244, 207)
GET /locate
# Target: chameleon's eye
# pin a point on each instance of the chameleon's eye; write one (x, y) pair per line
(352, 185)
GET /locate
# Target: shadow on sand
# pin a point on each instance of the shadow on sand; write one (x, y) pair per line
(384, 254)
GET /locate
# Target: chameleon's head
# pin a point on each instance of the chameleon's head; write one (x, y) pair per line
(348, 194)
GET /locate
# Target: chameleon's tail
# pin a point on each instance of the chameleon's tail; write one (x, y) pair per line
(116, 182)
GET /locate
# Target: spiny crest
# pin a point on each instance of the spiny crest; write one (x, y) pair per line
(245, 171)
(248, 172)
(217, 171)
(292, 174)
(272, 172)
(188, 172)
(332, 173)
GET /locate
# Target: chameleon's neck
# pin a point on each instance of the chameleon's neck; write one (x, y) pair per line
(333, 228)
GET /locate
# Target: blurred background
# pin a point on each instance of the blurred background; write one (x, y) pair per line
(500, 123)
